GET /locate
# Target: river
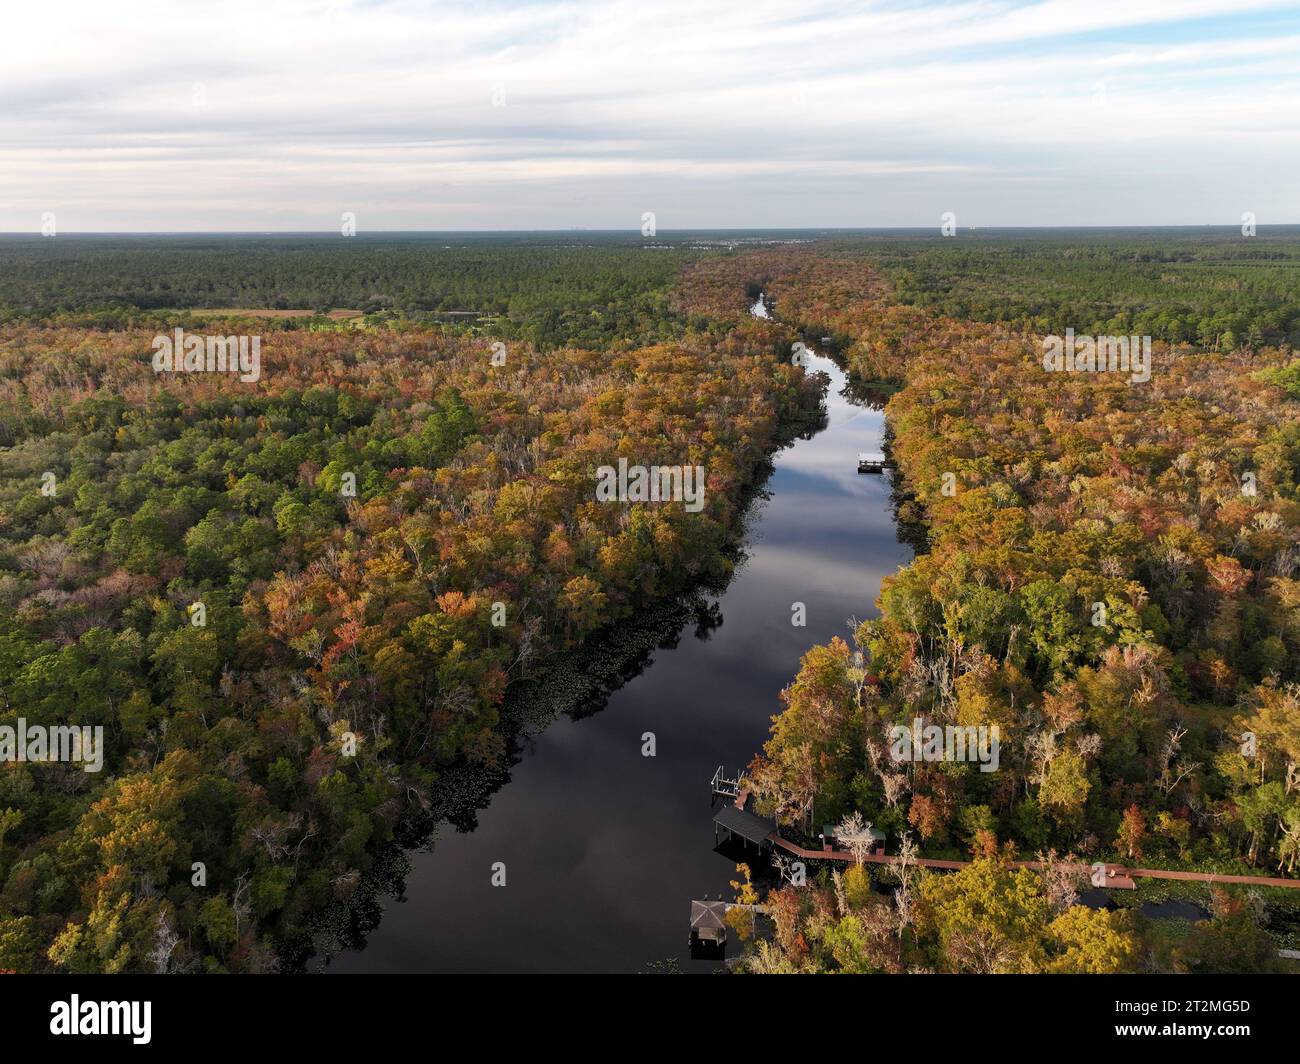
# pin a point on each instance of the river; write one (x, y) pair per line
(604, 848)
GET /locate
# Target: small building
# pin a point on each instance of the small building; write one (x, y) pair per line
(743, 823)
(708, 924)
(877, 838)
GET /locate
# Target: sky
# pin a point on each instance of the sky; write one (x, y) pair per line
(265, 115)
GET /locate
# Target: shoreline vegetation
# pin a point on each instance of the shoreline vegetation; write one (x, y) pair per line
(576, 683)
(348, 656)
(1041, 497)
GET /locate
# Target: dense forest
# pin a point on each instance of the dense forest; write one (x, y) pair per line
(1221, 292)
(292, 603)
(296, 604)
(592, 290)
(1109, 575)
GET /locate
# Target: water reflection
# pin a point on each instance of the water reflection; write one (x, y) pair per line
(605, 849)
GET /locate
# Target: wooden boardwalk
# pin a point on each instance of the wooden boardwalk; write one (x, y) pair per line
(1118, 876)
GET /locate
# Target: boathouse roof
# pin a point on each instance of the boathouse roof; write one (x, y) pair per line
(749, 826)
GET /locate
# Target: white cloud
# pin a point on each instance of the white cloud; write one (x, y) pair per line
(262, 115)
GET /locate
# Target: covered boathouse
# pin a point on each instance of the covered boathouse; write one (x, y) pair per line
(738, 820)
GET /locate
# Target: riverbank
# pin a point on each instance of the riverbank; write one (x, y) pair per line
(602, 846)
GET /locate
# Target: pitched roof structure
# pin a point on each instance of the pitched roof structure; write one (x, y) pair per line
(708, 916)
(749, 826)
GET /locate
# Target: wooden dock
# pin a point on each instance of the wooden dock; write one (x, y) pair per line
(1116, 876)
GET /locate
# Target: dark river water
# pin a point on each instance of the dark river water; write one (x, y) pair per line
(605, 848)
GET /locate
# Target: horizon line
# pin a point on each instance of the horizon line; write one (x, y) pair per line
(634, 231)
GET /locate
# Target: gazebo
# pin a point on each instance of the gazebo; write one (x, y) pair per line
(707, 923)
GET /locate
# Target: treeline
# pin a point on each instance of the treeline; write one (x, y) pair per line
(548, 291)
(1112, 580)
(1218, 293)
(291, 603)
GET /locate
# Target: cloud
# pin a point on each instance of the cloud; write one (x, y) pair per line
(241, 115)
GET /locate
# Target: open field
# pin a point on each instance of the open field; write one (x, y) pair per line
(263, 312)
